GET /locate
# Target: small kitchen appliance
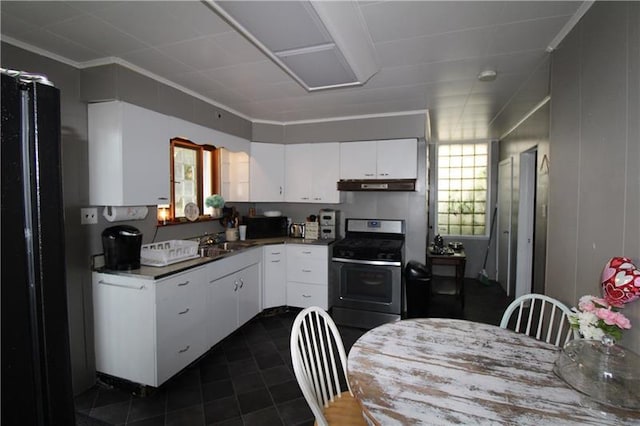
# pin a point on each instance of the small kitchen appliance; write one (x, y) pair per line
(265, 227)
(328, 224)
(365, 281)
(296, 230)
(121, 245)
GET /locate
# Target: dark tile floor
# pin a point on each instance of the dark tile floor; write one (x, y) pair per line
(247, 379)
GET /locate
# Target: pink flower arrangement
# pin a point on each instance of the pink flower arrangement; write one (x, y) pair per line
(595, 317)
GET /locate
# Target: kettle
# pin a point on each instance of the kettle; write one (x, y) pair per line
(296, 230)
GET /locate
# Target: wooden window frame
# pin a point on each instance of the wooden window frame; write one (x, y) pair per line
(214, 172)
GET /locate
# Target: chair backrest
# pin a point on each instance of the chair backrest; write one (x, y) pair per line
(315, 342)
(546, 316)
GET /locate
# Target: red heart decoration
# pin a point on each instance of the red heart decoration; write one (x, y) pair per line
(620, 281)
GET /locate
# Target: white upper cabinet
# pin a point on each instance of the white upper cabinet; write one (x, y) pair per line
(266, 170)
(128, 155)
(397, 159)
(383, 159)
(358, 160)
(234, 172)
(311, 172)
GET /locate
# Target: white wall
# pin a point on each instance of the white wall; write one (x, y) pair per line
(594, 178)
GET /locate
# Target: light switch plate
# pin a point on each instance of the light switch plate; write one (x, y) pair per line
(89, 216)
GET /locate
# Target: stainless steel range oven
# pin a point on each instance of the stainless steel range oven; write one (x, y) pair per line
(365, 284)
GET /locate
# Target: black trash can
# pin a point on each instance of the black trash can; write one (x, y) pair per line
(417, 281)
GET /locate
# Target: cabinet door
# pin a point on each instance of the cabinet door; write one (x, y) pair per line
(397, 159)
(267, 172)
(298, 173)
(234, 172)
(325, 171)
(358, 160)
(248, 293)
(274, 291)
(128, 155)
(146, 146)
(124, 327)
(223, 318)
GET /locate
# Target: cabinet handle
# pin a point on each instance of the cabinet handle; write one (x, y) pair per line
(183, 284)
(306, 296)
(384, 174)
(317, 198)
(306, 270)
(181, 351)
(275, 253)
(304, 198)
(122, 285)
(183, 312)
(280, 190)
(369, 174)
(275, 261)
(236, 287)
(162, 198)
(306, 252)
(241, 283)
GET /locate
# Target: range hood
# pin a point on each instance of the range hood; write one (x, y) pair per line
(377, 185)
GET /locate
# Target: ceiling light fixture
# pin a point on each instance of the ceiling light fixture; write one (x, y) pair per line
(321, 44)
(487, 75)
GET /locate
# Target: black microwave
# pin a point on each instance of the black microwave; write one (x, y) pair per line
(265, 227)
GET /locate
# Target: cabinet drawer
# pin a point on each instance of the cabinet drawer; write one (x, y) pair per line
(304, 295)
(311, 271)
(296, 252)
(176, 352)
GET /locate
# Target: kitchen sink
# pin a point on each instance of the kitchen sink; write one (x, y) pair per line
(222, 249)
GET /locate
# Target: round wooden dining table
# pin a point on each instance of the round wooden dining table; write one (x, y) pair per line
(446, 371)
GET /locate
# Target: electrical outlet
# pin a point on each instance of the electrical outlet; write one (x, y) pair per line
(89, 216)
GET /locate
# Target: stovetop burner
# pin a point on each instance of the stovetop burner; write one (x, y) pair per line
(371, 239)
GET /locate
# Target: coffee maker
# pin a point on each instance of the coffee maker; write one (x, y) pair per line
(121, 245)
(328, 224)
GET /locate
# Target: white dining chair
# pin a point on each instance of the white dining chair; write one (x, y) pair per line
(546, 317)
(315, 343)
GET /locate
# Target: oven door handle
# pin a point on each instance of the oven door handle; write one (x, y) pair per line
(367, 262)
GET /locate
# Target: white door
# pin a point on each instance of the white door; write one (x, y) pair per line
(505, 198)
(526, 222)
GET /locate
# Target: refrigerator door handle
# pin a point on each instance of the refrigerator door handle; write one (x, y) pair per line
(122, 285)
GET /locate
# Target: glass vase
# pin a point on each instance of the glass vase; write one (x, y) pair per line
(606, 372)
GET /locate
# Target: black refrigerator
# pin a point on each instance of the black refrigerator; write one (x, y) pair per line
(36, 372)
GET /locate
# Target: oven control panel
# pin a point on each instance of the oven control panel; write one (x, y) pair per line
(387, 226)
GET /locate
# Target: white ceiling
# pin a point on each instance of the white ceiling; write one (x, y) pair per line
(429, 54)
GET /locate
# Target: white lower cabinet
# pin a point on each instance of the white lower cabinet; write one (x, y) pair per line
(145, 331)
(148, 330)
(234, 293)
(307, 276)
(274, 286)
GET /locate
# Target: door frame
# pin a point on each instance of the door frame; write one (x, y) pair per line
(526, 222)
(504, 217)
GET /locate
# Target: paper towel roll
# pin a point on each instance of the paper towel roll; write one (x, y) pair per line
(119, 214)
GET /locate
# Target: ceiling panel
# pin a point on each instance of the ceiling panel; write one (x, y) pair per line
(133, 18)
(201, 53)
(97, 35)
(430, 53)
(40, 13)
(161, 64)
(419, 19)
(194, 14)
(436, 48)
